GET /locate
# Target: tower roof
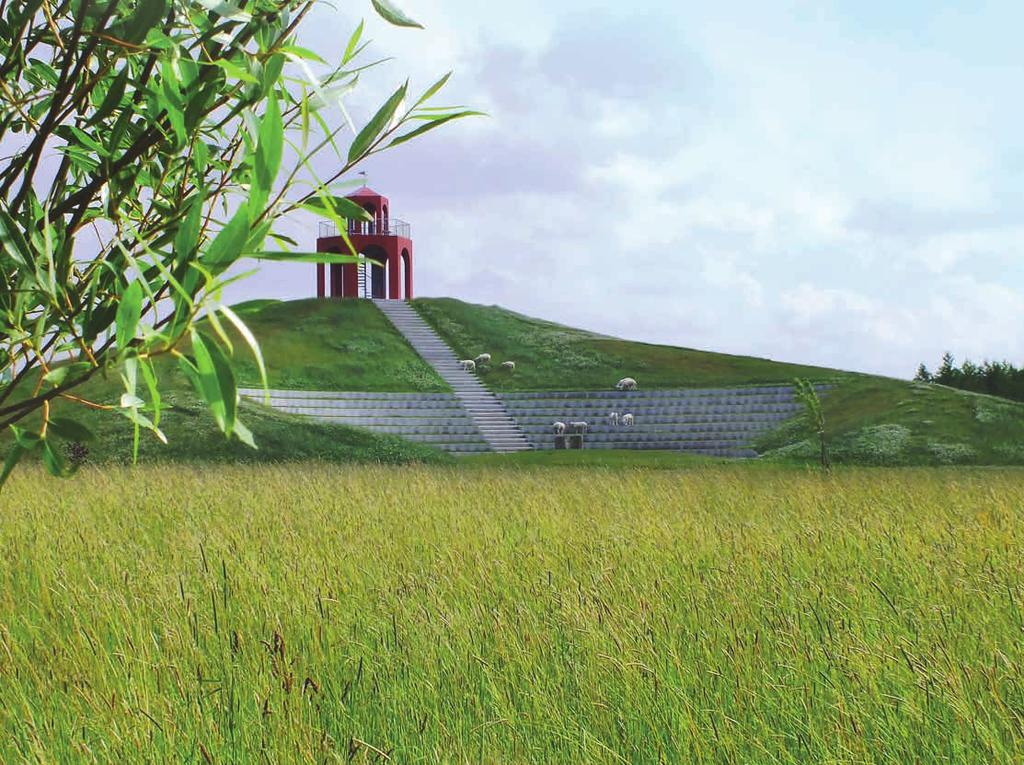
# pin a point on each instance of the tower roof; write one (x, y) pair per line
(365, 191)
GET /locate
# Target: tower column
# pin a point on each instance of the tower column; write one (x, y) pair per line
(335, 280)
(351, 280)
(407, 257)
(394, 274)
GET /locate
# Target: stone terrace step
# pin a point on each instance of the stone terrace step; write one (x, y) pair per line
(723, 421)
(437, 419)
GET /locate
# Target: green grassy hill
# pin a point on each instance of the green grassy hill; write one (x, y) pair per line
(193, 437)
(551, 356)
(349, 345)
(332, 345)
(881, 421)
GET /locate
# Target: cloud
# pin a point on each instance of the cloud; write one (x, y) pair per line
(799, 185)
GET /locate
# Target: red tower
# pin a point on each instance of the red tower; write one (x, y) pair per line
(385, 241)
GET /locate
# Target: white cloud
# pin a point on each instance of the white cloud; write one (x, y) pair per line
(724, 273)
(796, 186)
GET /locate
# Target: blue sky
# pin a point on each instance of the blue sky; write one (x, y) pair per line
(833, 183)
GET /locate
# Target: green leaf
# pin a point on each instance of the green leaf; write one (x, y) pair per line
(227, 10)
(225, 379)
(234, 70)
(304, 53)
(375, 126)
(353, 41)
(205, 381)
(131, 401)
(187, 237)
(244, 435)
(70, 430)
(434, 123)
(227, 246)
(26, 439)
(432, 90)
(129, 311)
(215, 381)
(254, 346)
(113, 98)
(147, 15)
(268, 156)
(13, 457)
(272, 68)
(14, 243)
(58, 375)
(391, 14)
(141, 421)
(53, 460)
(338, 207)
(149, 375)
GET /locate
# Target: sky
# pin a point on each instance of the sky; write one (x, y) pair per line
(833, 183)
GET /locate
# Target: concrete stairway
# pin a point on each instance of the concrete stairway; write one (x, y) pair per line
(485, 409)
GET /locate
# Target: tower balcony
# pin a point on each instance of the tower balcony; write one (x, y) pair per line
(393, 227)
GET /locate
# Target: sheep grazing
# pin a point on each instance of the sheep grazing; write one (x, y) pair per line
(559, 428)
(468, 365)
(627, 420)
(613, 418)
(483, 358)
(579, 427)
(626, 383)
(508, 366)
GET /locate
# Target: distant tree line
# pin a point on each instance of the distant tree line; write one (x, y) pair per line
(998, 378)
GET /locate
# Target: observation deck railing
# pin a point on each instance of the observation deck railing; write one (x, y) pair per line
(394, 227)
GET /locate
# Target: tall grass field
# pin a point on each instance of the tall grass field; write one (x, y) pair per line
(478, 614)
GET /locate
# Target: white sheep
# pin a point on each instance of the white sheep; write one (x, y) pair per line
(559, 428)
(508, 366)
(627, 420)
(579, 427)
(483, 358)
(613, 418)
(626, 383)
(468, 365)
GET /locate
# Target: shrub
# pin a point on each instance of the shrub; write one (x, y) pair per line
(876, 444)
(953, 454)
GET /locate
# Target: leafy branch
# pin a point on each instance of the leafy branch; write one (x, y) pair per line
(161, 142)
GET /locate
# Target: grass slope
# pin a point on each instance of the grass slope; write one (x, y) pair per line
(343, 345)
(193, 435)
(881, 421)
(714, 615)
(550, 356)
(350, 345)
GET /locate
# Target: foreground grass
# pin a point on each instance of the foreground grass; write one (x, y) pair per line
(325, 614)
(551, 356)
(594, 458)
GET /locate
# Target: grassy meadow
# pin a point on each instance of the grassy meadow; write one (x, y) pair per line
(315, 613)
(552, 356)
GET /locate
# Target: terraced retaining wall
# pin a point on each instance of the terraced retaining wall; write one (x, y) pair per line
(720, 422)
